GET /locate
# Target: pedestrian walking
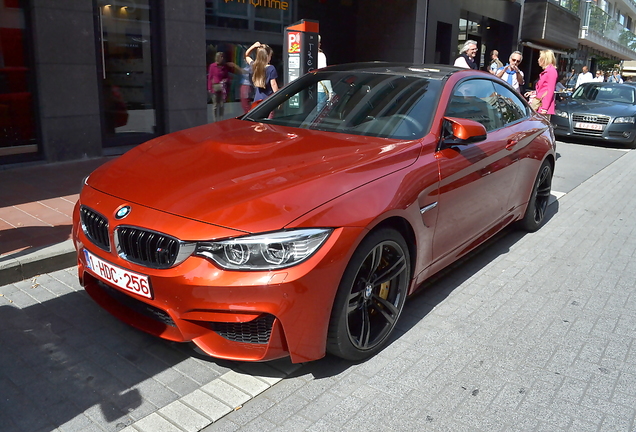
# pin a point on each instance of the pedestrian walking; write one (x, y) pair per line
(511, 72)
(467, 55)
(218, 79)
(495, 63)
(542, 100)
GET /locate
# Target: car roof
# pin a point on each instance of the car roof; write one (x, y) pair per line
(607, 84)
(431, 71)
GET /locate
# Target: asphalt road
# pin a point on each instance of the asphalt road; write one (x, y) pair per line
(576, 163)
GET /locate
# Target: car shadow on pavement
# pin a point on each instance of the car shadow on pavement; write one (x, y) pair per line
(434, 291)
(65, 361)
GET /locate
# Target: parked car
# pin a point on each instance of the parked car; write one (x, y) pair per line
(301, 227)
(601, 111)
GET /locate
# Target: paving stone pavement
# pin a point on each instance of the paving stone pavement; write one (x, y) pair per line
(67, 365)
(533, 332)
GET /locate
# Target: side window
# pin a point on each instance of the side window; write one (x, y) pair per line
(510, 104)
(476, 100)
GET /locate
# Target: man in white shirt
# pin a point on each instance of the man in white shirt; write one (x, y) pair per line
(584, 76)
(466, 57)
(511, 72)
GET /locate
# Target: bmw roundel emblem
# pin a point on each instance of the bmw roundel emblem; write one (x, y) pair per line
(122, 212)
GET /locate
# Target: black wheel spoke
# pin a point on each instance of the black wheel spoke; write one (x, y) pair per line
(376, 257)
(392, 272)
(365, 329)
(354, 301)
(539, 212)
(543, 193)
(386, 309)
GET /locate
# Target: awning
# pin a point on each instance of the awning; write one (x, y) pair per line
(541, 47)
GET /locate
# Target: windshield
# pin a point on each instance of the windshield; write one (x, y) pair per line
(361, 103)
(608, 93)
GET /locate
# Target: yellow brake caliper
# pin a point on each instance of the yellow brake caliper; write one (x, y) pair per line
(384, 289)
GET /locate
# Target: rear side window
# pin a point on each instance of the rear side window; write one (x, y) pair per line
(476, 100)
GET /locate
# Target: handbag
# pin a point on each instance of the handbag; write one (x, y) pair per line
(535, 102)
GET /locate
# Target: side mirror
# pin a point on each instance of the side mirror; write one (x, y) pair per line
(460, 131)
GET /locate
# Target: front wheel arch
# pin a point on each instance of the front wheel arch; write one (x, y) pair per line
(371, 295)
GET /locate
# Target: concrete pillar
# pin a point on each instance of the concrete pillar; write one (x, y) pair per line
(183, 63)
(67, 90)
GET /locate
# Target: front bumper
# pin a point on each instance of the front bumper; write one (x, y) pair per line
(238, 315)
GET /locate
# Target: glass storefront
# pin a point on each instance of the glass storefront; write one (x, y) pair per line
(263, 19)
(129, 111)
(17, 113)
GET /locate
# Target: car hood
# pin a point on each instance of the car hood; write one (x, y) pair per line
(248, 176)
(583, 106)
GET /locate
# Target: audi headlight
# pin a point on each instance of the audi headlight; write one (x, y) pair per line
(269, 251)
(624, 120)
(561, 113)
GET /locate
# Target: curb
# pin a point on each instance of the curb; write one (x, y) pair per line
(31, 263)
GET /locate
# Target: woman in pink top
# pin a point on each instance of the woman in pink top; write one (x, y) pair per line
(547, 83)
(218, 79)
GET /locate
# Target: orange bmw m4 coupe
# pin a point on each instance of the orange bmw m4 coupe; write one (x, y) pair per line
(301, 228)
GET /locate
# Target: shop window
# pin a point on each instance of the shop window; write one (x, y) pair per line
(235, 53)
(126, 39)
(17, 114)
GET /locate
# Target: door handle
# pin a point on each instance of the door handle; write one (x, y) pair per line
(511, 143)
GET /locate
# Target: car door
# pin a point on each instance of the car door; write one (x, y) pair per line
(476, 178)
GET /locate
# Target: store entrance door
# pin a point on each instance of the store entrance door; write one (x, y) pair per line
(128, 74)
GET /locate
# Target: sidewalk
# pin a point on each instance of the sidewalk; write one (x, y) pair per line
(36, 206)
(534, 332)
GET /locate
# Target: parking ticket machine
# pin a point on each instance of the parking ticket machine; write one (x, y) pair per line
(301, 49)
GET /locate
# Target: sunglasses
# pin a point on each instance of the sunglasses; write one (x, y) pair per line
(516, 60)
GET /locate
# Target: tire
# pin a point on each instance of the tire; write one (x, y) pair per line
(539, 200)
(370, 297)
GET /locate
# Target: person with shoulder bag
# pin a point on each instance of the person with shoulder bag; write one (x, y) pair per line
(543, 99)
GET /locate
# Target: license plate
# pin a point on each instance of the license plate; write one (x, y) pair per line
(124, 279)
(591, 126)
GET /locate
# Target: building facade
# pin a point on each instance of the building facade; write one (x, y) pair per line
(85, 78)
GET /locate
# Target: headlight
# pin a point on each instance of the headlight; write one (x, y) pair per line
(624, 120)
(265, 251)
(561, 113)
